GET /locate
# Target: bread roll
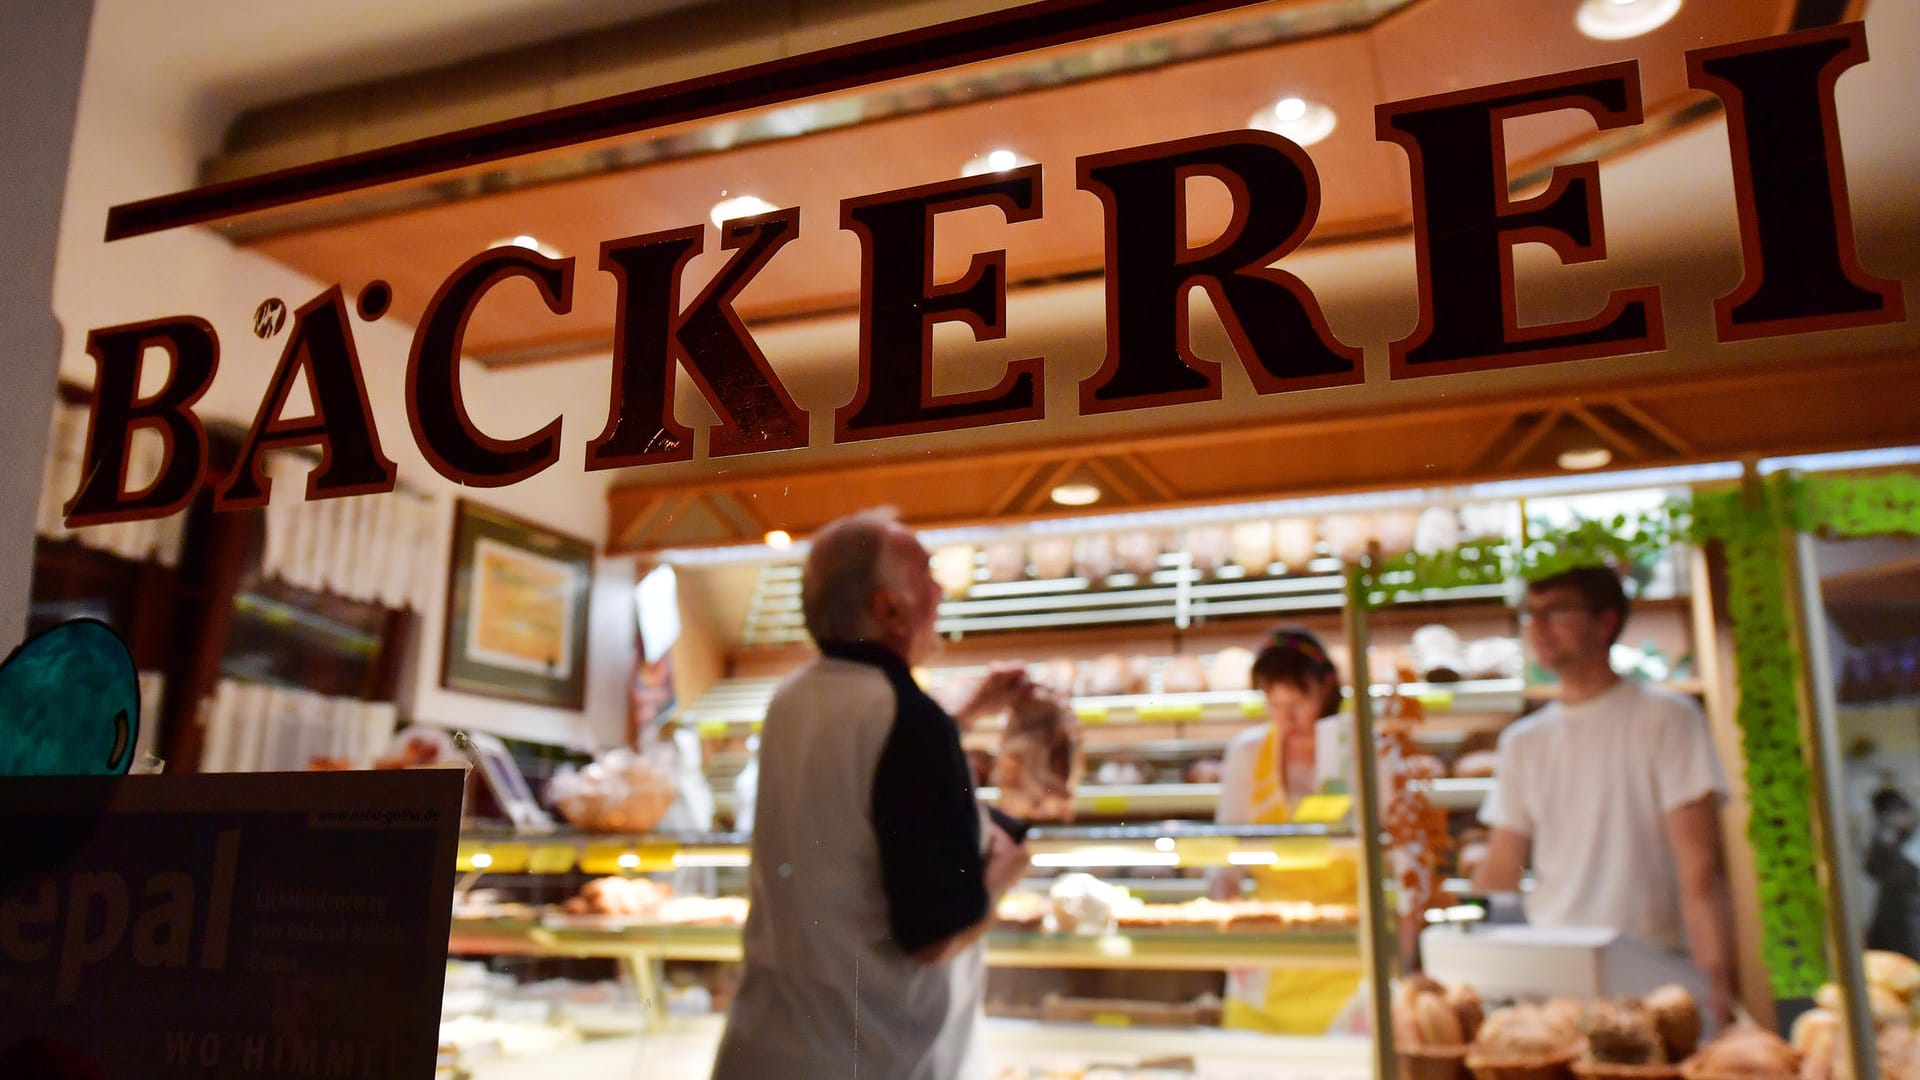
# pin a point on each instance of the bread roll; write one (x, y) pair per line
(1105, 676)
(1138, 551)
(1526, 1033)
(1232, 669)
(1294, 540)
(1203, 771)
(1480, 763)
(1006, 560)
(1184, 675)
(1466, 1005)
(1748, 1052)
(1897, 973)
(1677, 1015)
(1057, 675)
(1093, 557)
(1395, 529)
(1208, 546)
(1253, 546)
(953, 569)
(1052, 557)
(1437, 531)
(1347, 535)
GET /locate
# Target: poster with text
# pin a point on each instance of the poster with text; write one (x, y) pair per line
(264, 925)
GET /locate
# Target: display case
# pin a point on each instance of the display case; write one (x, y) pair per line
(1199, 934)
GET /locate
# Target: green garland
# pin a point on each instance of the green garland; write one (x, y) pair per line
(1886, 504)
(1792, 900)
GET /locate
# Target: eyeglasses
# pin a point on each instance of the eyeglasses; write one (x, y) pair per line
(1561, 611)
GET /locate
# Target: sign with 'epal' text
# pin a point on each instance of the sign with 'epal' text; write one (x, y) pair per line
(263, 926)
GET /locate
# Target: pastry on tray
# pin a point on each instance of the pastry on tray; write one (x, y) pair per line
(1525, 1042)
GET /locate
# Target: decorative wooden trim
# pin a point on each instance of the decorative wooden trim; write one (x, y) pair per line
(913, 52)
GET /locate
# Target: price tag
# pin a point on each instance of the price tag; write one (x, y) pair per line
(1205, 850)
(1091, 714)
(1112, 1019)
(1108, 805)
(1254, 709)
(713, 729)
(1438, 700)
(1323, 809)
(1302, 853)
(1169, 714)
(506, 858)
(550, 859)
(628, 858)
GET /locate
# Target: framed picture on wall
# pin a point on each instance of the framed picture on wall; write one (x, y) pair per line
(516, 610)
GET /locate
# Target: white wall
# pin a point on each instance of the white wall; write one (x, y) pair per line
(40, 59)
(138, 135)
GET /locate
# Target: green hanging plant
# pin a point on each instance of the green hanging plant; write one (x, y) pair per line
(1632, 544)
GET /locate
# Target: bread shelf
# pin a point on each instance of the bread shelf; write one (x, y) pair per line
(1135, 800)
(1160, 844)
(735, 704)
(1460, 792)
(1171, 950)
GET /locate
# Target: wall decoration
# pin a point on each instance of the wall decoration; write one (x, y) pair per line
(516, 610)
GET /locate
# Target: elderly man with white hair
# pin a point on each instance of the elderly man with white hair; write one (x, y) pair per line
(875, 871)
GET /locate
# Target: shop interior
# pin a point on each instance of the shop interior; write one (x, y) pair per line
(607, 640)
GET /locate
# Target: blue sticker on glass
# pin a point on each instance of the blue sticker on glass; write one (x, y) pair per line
(69, 703)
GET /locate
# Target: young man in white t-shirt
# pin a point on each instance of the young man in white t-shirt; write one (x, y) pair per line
(1613, 791)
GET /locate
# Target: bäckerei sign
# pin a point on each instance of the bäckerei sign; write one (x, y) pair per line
(1801, 275)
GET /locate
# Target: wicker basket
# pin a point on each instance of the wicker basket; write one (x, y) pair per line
(1432, 1062)
(1554, 1068)
(1604, 1070)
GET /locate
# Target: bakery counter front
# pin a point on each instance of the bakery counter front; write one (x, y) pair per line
(1015, 1050)
(1119, 916)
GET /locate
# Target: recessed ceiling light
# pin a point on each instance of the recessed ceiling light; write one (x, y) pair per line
(740, 206)
(994, 161)
(528, 242)
(1616, 20)
(1304, 121)
(1585, 458)
(1075, 494)
(778, 539)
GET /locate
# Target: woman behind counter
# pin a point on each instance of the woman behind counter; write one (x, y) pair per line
(1267, 770)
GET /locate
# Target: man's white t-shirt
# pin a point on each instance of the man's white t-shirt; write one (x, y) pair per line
(1592, 784)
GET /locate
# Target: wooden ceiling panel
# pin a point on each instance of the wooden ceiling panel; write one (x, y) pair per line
(1364, 187)
(1781, 409)
(1434, 48)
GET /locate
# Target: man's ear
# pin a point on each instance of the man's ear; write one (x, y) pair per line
(882, 606)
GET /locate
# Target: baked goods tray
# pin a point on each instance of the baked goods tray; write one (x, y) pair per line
(1173, 950)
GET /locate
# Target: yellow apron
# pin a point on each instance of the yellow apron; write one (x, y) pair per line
(1292, 1000)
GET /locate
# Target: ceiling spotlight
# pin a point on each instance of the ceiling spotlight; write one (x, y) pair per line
(1075, 494)
(740, 206)
(993, 161)
(1616, 20)
(1305, 122)
(1585, 458)
(528, 242)
(778, 539)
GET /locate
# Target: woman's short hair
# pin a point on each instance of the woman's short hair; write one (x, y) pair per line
(847, 562)
(1292, 655)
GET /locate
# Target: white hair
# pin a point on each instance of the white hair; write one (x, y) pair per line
(849, 561)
